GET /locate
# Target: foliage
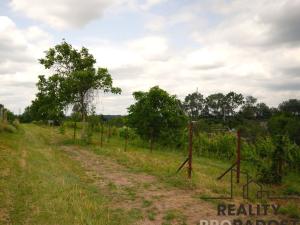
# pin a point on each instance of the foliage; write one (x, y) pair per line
(75, 83)
(291, 106)
(283, 124)
(193, 105)
(127, 131)
(156, 115)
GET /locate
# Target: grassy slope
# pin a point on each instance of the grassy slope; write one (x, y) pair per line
(163, 165)
(41, 185)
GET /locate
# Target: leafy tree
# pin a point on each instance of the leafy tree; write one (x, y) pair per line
(285, 125)
(291, 106)
(64, 59)
(214, 104)
(75, 83)
(157, 116)
(263, 111)
(193, 105)
(230, 103)
(248, 110)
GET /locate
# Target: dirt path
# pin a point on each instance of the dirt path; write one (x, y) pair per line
(129, 190)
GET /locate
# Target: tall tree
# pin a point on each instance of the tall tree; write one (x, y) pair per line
(75, 80)
(249, 109)
(263, 111)
(214, 104)
(291, 106)
(230, 103)
(156, 115)
(193, 105)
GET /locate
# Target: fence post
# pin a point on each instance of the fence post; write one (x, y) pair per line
(190, 149)
(238, 155)
(5, 115)
(1, 114)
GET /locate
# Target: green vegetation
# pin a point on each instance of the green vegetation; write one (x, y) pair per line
(41, 185)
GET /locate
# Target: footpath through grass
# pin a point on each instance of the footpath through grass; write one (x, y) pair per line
(40, 185)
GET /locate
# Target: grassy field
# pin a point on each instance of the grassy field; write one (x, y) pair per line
(46, 178)
(40, 185)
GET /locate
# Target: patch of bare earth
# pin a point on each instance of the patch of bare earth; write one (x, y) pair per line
(142, 191)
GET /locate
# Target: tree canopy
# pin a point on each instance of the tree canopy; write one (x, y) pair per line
(75, 83)
(156, 115)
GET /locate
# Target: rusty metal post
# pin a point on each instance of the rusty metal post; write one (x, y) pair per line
(238, 157)
(190, 149)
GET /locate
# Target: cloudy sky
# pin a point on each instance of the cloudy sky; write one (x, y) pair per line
(252, 47)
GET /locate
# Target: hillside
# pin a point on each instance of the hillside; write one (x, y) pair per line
(46, 178)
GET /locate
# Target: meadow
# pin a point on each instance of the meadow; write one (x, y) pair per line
(47, 177)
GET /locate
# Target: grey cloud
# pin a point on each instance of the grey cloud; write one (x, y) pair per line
(127, 72)
(291, 71)
(208, 67)
(63, 13)
(284, 22)
(284, 86)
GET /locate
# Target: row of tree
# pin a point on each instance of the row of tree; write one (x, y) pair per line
(232, 104)
(156, 115)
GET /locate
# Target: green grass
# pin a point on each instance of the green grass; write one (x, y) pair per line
(40, 185)
(163, 164)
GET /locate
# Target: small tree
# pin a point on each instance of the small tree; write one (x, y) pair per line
(156, 115)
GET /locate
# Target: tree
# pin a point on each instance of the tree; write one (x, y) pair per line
(214, 104)
(193, 105)
(80, 87)
(157, 116)
(285, 125)
(263, 111)
(249, 110)
(230, 103)
(75, 82)
(291, 106)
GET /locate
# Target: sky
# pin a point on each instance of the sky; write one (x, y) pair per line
(250, 47)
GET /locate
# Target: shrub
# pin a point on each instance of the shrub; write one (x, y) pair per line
(16, 123)
(87, 133)
(62, 128)
(7, 128)
(131, 134)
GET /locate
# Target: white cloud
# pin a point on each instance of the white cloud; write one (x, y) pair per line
(19, 68)
(62, 14)
(232, 45)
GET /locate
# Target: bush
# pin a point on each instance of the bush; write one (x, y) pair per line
(5, 127)
(62, 128)
(217, 145)
(131, 134)
(87, 133)
(16, 123)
